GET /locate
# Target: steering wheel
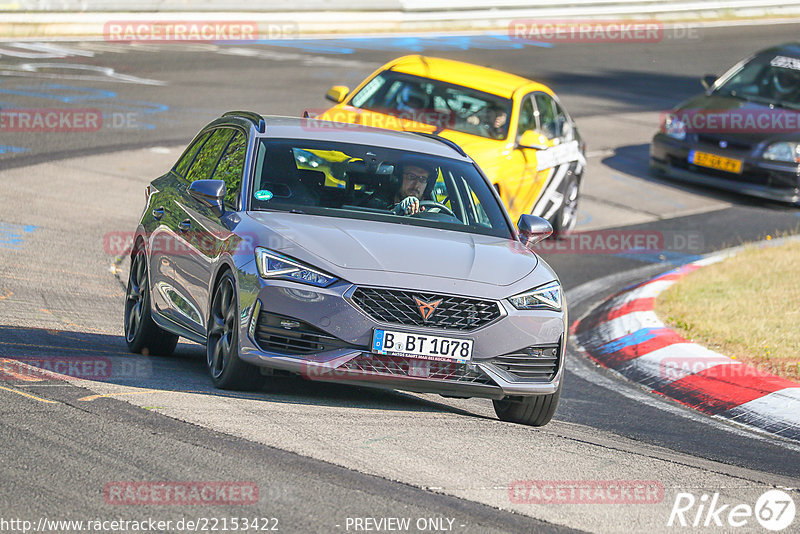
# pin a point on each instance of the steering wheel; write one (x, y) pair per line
(434, 204)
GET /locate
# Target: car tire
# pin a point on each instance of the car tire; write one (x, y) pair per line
(227, 369)
(142, 334)
(567, 215)
(533, 411)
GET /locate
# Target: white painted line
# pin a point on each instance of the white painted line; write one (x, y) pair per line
(776, 414)
(673, 362)
(782, 405)
(636, 392)
(625, 325)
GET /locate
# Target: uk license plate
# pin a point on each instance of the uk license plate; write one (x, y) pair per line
(712, 161)
(424, 347)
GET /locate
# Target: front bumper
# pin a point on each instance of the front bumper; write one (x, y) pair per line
(346, 358)
(772, 181)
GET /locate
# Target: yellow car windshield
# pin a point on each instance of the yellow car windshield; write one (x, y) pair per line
(440, 104)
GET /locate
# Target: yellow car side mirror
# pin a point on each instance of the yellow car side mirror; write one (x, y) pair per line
(532, 139)
(337, 93)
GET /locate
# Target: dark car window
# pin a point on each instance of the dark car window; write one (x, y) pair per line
(188, 157)
(231, 167)
(527, 117)
(563, 124)
(768, 79)
(367, 182)
(548, 125)
(209, 155)
(440, 104)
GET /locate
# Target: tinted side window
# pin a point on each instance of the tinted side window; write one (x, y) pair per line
(183, 164)
(208, 156)
(563, 126)
(527, 119)
(231, 167)
(547, 116)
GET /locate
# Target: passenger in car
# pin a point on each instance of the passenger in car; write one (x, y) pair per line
(492, 121)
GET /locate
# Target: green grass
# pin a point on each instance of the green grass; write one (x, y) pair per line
(746, 307)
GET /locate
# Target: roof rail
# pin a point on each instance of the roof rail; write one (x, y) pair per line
(256, 118)
(444, 140)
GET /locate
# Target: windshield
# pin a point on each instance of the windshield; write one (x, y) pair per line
(439, 104)
(768, 79)
(371, 183)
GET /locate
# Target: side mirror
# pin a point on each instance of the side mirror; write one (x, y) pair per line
(533, 229)
(209, 192)
(708, 81)
(337, 93)
(532, 139)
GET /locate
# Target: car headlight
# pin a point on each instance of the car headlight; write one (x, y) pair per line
(546, 297)
(274, 265)
(674, 127)
(783, 151)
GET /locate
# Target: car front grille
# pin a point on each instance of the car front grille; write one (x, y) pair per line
(532, 364)
(402, 307)
(410, 367)
(730, 143)
(751, 175)
(278, 333)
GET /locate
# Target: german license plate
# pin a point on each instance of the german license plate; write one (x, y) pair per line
(424, 347)
(712, 161)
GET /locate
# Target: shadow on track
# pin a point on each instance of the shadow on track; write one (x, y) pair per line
(105, 358)
(634, 161)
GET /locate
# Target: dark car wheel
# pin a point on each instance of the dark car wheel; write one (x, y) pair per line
(567, 215)
(227, 370)
(142, 334)
(533, 411)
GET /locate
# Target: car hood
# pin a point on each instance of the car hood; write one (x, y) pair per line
(488, 154)
(722, 105)
(338, 245)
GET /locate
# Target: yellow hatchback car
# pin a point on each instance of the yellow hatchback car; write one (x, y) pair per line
(515, 129)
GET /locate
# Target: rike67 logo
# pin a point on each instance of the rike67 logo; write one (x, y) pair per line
(774, 510)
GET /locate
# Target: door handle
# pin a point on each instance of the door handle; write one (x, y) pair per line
(185, 225)
(158, 213)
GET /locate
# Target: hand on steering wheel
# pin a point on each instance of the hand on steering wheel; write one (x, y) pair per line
(433, 204)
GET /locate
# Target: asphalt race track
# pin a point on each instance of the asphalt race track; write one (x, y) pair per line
(324, 455)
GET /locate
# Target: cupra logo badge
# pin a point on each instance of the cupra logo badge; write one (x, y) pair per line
(426, 309)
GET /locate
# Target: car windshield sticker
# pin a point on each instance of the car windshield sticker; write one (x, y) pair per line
(786, 62)
(263, 194)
